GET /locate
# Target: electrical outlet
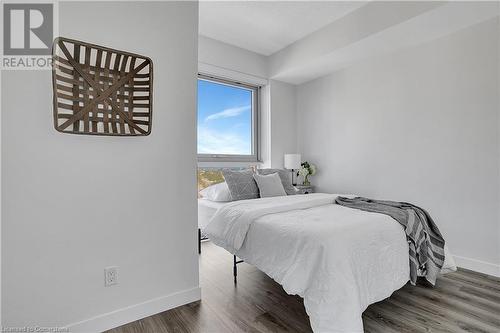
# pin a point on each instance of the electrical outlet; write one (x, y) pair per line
(110, 276)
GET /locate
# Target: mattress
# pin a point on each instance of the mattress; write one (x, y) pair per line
(207, 209)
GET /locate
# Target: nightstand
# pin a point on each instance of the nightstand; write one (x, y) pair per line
(304, 189)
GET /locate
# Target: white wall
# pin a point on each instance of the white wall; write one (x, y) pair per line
(419, 125)
(74, 204)
(224, 56)
(283, 121)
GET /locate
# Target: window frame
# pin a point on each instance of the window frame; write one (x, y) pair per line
(256, 91)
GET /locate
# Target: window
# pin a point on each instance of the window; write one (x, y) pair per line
(227, 120)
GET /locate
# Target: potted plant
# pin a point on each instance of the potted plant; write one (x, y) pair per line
(307, 169)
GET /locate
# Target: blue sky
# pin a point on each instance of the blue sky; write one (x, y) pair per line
(224, 119)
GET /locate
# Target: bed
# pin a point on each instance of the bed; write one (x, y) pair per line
(206, 210)
(340, 260)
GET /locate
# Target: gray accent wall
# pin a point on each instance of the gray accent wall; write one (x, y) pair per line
(418, 125)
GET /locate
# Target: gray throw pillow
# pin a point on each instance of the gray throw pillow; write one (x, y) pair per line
(241, 184)
(269, 185)
(285, 177)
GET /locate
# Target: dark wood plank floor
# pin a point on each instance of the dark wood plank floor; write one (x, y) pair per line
(464, 301)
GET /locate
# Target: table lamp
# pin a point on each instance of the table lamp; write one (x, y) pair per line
(292, 162)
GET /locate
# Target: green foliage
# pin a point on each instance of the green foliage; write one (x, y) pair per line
(207, 177)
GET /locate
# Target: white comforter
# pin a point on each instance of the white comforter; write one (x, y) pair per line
(340, 260)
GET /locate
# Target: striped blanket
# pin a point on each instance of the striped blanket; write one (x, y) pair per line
(426, 245)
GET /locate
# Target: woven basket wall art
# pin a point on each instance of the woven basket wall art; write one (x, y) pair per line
(101, 91)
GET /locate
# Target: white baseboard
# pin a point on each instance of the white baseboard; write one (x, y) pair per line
(135, 312)
(478, 265)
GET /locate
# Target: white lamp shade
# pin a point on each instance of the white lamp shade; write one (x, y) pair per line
(292, 161)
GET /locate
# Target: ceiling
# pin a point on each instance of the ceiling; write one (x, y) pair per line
(266, 27)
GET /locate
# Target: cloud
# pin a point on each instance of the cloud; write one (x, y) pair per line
(217, 142)
(228, 113)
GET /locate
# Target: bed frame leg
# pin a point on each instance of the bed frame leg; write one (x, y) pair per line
(235, 268)
(199, 241)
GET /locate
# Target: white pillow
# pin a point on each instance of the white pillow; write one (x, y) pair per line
(217, 192)
(269, 185)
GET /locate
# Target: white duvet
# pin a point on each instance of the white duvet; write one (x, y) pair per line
(340, 260)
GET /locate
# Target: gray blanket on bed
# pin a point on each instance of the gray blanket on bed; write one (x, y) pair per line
(425, 241)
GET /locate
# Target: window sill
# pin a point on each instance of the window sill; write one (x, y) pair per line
(227, 164)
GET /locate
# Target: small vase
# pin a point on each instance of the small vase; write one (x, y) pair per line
(306, 181)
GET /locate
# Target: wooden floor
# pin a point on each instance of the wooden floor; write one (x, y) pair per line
(464, 301)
